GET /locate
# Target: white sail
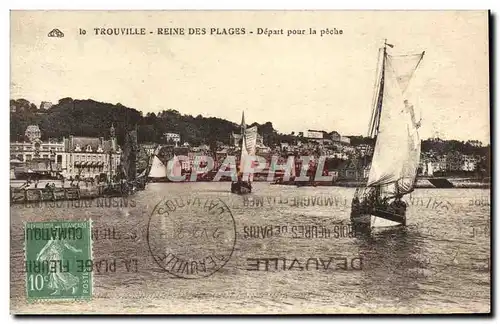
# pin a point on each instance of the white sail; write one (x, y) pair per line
(397, 150)
(158, 169)
(248, 150)
(251, 140)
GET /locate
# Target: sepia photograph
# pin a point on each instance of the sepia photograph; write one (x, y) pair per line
(250, 162)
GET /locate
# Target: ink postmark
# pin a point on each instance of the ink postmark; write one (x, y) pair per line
(56, 257)
(191, 237)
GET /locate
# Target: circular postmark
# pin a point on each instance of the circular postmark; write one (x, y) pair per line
(191, 237)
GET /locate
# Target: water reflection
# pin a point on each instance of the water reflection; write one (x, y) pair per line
(392, 264)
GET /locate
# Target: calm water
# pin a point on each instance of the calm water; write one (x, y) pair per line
(438, 263)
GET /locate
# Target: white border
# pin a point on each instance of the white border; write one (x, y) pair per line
(200, 4)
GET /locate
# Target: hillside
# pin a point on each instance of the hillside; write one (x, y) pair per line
(92, 118)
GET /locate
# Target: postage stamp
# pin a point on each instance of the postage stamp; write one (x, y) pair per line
(58, 257)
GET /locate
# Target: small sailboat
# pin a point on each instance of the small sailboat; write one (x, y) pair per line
(243, 185)
(397, 147)
(158, 170)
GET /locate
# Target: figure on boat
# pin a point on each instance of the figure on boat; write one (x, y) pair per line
(372, 203)
(396, 154)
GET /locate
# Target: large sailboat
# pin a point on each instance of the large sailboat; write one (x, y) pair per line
(243, 184)
(397, 147)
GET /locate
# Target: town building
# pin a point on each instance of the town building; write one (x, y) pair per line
(365, 149)
(148, 148)
(475, 143)
(345, 139)
(314, 134)
(284, 146)
(426, 167)
(335, 136)
(469, 163)
(89, 157)
(33, 133)
(44, 105)
(172, 138)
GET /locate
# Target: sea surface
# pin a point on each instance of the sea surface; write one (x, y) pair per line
(439, 263)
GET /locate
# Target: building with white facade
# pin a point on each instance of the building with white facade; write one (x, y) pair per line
(315, 134)
(44, 105)
(172, 138)
(82, 156)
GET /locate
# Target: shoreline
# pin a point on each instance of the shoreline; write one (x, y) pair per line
(427, 182)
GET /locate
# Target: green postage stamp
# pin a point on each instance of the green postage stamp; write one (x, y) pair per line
(58, 260)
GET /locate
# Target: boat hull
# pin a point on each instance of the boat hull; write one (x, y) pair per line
(241, 187)
(369, 221)
(377, 216)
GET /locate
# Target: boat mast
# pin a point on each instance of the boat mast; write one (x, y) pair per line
(377, 109)
(243, 126)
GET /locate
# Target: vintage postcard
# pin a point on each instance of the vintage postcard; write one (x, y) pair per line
(250, 162)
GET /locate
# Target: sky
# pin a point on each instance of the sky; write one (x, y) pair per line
(297, 82)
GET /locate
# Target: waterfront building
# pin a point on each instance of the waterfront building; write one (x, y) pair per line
(345, 139)
(72, 156)
(148, 148)
(469, 163)
(365, 149)
(335, 136)
(475, 143)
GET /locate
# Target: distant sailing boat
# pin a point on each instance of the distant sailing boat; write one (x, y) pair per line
(158, 170)
(397, 148)
(243, 184)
